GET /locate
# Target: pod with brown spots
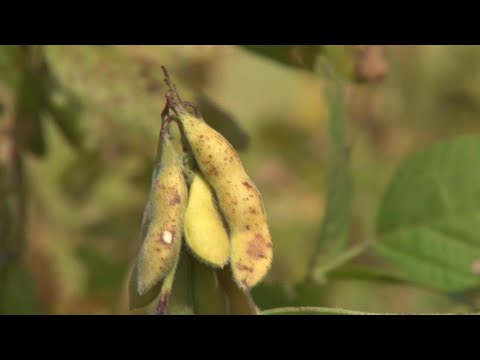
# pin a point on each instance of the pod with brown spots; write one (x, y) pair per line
(238, 198)
(162, 225)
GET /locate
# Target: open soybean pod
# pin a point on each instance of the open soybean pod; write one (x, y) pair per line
(238, 198)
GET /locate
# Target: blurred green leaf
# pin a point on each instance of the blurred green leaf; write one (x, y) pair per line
(9, 65)
(29, 107)
(339, 58)
(300, 56)
(66, 109)
(6, 220)
(79, 176)
(270, 295)
(335, 229)
(104, 272)
(221, 121)
(312, 311)
(428, 218)
(19, 296)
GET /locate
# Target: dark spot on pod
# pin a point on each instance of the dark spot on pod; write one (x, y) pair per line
(175, 199)
(210, 156)
(247, 185)
(256, 247)
(247, 227)
(213, 171)
(251, 210)
(242, 267)
(157, 249)
(269, 245)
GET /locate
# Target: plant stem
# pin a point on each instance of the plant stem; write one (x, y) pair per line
(348, 255)
(368, 274)
(334, 233)
(312, 310)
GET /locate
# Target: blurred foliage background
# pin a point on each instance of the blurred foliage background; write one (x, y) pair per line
(74, 187)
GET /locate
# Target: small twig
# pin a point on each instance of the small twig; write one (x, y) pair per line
(174, 101)
(167, 79)
(164, 130)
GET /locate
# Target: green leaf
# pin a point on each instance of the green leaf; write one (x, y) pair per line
(29, 107)
(19, 296)
(105, 273)
(312, 311)
(222, 121)
(66, 109)
(9, 65)
(300, 56)
(339, 58)
(429, 217)
(335, 229)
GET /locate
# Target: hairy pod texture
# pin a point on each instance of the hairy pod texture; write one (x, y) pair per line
(205, 233)
(238, 198)
(162, 224)
(136, 300)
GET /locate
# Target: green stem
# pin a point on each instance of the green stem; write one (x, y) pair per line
(335, 229)
(312, 310)
(368, 274)
(348, 255)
